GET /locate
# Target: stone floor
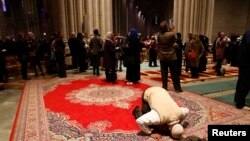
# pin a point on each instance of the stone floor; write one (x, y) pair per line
(9, 99)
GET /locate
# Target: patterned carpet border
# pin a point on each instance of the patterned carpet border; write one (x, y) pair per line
(31, 121)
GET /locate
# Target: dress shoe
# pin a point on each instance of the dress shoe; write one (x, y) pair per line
(179, 91)
(246, 108)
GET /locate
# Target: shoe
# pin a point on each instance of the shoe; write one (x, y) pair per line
(246, 108)
(26, 78)
(179, 91)
(137, 112)
(130, 83)
(63, 76)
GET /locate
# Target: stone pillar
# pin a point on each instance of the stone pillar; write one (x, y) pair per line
(180, 15)
(70, 15)
(209, 18)
(102, 18)
(89, 16)
(190, 24)
(79, 15)
(186, 19)
(195, 16)
(85, 17)
(111, 15)
(116, 15)
(109, 21)
(124, 20)
(95, 11)
(62, 19)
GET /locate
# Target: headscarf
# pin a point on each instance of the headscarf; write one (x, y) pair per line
(133, 33)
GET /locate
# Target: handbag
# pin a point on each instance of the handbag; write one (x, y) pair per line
(192, 55)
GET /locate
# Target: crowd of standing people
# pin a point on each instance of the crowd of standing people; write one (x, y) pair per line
(127, 51)
(115, 52)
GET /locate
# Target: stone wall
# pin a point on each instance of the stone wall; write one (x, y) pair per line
(231, 16)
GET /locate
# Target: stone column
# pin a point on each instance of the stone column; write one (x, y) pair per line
(175, 13)
(95, 11)
(116, 15)
(209, 15)
(191, 16)
(180, 15)
(195, 16)
(124, 20)
(186, 19)
(108, 17)
(79, 15)
(89, 16)
(102, 18)
(85, 17)
(111, 15)
(62, 19)
(70, 14)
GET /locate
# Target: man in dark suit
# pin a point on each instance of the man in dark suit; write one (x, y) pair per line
(243, 83)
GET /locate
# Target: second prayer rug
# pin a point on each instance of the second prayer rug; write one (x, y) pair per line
(209, 74)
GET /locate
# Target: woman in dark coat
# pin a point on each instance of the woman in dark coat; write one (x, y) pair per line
(109, 58)
(133, 51)
(59, 46)
(81, 53)
(23, 54)
(203, 58)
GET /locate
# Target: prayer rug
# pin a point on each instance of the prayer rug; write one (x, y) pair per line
(222, 90)
(212, 86)
(91, 109)
(186, 76)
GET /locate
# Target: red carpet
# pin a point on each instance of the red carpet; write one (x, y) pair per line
(93, 102)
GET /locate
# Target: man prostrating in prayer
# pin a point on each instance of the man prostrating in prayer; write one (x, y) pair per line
(158, 108)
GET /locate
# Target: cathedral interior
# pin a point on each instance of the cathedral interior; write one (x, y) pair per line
(46, 17)
(206, 17)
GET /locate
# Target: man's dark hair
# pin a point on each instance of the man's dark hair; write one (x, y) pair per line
(163, 26)
(96, 32)
(178, 35)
